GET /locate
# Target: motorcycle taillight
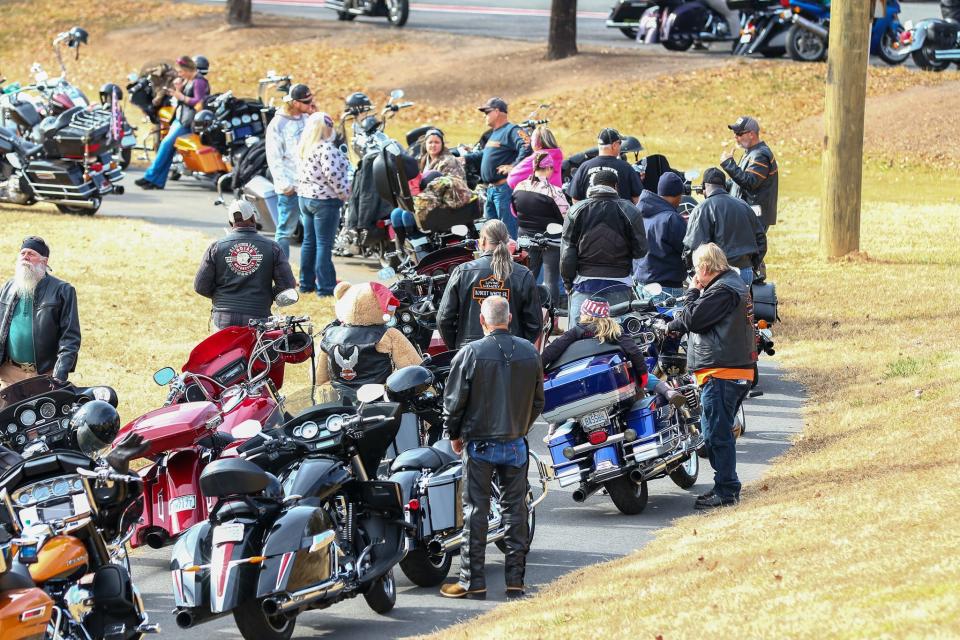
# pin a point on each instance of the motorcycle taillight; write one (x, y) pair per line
(785, 4)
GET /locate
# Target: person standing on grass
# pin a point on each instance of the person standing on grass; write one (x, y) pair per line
(721, 352)
(39, 323)
(506, 146)
(283, 142)
(493, 396)
(242, 272)
(542, 140)
(323, 184)
(608, 158)
(190, 89)
(755, 178)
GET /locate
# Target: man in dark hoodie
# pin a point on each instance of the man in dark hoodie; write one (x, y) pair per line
(665, 228)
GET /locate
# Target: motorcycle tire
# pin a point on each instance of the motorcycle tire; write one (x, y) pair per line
(80, 211)
(382, 594)
(531, 522)
(629, 497)
(677, 43)
(685, 475)
(886, 50)
(345, 16)
(254, 624)
(804, 46)
(398, 11)
(424, 569)
(924, 59)
(630, 32)
(126, 155)
(174, 175)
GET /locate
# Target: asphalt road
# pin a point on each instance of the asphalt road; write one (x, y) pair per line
(568, 535)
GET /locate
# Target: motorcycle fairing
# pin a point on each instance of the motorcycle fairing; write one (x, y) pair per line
(317, 478)
(300, 551)
(175, 502)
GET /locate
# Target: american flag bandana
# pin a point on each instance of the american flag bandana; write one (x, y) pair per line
(595, 308)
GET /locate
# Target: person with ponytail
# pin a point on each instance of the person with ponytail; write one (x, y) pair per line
(494, 273)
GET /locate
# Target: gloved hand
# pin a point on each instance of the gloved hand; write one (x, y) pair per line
(130, 448)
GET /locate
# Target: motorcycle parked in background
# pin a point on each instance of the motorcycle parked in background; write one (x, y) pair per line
(626, 15)
(808, 37)
(934, 44)
(680, 25)
(395, 11)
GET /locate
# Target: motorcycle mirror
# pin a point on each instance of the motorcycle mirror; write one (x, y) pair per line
(459, 230)
(691, 175)
(287, 297)
(652, 289)
(132, 77)
(165, 376)
(246, 429)
(370, 392)
(554, 228)
(396, 94)
(386, 273)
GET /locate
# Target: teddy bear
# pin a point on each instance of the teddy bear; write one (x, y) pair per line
(359, 348)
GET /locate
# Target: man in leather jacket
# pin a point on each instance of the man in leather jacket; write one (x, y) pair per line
(39, 323)
(493, 396)
(728, 222)
(755, 178)
(721, 353)
(243, 271)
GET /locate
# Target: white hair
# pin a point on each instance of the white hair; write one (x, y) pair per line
(27, 276)
(495, 311)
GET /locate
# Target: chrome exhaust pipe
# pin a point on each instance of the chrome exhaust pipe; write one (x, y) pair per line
(302, 599)
(811, 26)
(636, 477)
(445, 545)
(184, 619)
(270, 606)
(156, 539)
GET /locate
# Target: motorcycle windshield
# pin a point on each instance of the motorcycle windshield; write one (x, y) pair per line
(29, 388)
(615, 294)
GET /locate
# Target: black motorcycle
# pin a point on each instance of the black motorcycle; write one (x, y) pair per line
(395, 11)
(764, 25)
(679, 25)
(319, 531)
(626, 14)
(935, 43)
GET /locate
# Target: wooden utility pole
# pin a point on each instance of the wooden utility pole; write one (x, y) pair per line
(843, 127)
(239, 13)
(562, 41)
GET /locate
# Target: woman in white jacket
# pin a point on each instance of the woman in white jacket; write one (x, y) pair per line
(323, 186)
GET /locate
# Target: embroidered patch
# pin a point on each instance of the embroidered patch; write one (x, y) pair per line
(490, 286)
(347, 365)
(244, 258)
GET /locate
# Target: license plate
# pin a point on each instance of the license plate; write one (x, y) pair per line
(232, 532)
(745, 38)
(594, 419)
(183, 503)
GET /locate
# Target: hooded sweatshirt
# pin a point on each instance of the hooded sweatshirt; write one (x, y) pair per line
(283, 139)
(665, 229)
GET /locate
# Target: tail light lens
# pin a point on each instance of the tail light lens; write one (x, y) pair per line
(785, 4)
(93, 148)
(414, 505)
(597, 437)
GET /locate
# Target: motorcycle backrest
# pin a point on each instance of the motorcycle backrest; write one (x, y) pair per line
(585, 348)
(415, 134)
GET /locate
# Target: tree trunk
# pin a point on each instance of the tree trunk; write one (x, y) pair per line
(238, 13)
(846, 94)
(562, 42)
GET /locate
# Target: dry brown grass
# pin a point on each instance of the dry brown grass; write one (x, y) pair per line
(138, 311)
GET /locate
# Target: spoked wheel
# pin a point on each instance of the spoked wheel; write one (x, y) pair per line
(254, 624)
(424, 568)
(398, 11)
(382, 594)
(804, 46)
(628, 496)
(891, 51)
(685, 476)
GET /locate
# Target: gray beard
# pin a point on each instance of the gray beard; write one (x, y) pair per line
(26, 278)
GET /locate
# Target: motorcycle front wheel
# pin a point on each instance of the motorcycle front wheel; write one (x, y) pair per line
(397, 12)
(382, 594)
(254, 624)
(890, 50)
(804, 46)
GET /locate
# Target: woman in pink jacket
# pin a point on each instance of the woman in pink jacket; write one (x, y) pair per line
(541, 140)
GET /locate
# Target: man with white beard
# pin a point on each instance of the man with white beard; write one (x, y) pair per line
(39, 324)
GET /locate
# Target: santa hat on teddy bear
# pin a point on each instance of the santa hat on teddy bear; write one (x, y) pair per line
(364, 304)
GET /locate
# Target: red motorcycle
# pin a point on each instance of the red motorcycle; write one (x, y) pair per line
(227, 392)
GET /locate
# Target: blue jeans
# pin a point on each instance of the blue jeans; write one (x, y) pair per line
(746, 273)
(720, 400)
(288, 215)
(160, 168)
(321, 221)
(400, 219)
(498, 207)
(512, 453)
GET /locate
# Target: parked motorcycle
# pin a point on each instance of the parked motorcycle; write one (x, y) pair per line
(608, 434)
(680, 25)
(807, 38)
(228, 391)
(25, 609)
(395, 11)
(934, 44)
(625, 15)
(763, 27)
(298, 523)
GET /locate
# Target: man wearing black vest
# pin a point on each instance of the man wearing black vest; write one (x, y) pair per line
(243, 271)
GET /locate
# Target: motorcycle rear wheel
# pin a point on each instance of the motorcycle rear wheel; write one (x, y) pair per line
(80, 211)
(398, 11)
(254, 624)
(382, 594)
(924, 59)
(685, 475)
(630, 32)
(677, 43)
(424, 569)
(804, 46)
(629, 497)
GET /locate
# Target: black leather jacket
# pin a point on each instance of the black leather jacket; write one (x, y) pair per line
(56, 325)
(495, 389)
(730, 224)
(458, 318)
(756, 180)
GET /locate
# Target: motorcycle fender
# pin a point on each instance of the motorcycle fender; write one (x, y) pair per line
(408, 489)
(300, 551)
(177, 502)
(190, 551)
(232, 578)
(919, 36)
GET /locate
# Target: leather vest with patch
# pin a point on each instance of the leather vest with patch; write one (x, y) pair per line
(244, 263)
(353, 357)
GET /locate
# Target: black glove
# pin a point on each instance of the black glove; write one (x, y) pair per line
(130, 448)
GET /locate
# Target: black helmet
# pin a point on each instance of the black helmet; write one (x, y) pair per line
(109, 90)
(408, 382)
(203, 121)
(77, 36)
(95, 424)
(358, 102)
(203, 65)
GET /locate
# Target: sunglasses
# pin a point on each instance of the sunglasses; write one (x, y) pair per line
(307, 101)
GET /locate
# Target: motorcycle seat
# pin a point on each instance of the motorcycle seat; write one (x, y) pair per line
(432, 458)
(234, 476)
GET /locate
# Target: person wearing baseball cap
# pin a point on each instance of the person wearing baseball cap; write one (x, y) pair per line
(242, 271)
(728, 222)
(506, 146)
(282, 144)
(665, 229)
(608, 157)
(755, 178)
(39, 324)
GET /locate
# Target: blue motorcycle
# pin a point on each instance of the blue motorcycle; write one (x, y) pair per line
(807, 38)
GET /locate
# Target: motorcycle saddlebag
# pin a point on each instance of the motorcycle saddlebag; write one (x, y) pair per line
(260, 192)
(444, 499)
(765, 301)
(690, 16)
(942, 34)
